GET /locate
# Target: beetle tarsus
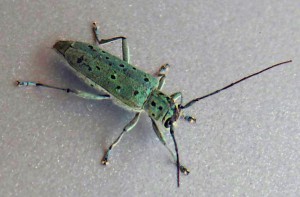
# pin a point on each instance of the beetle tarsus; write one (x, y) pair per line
(104, 161)
(184, 170)
(190, 119)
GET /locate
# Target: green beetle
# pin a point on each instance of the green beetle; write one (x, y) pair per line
(129, 87)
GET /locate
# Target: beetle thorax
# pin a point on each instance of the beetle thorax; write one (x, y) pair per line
(159, 106)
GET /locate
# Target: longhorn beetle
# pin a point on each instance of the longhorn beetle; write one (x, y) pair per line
(129, 87)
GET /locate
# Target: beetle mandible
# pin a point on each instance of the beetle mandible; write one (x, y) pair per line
(129, 87)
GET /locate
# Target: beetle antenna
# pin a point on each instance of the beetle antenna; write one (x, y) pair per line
(177, 155)
(230, 85)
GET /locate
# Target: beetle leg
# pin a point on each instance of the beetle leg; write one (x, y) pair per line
(162, 74)
(127, 128)
(176, 96)
(78, 93)
(162, 139)
(125, 48)
(161, 82)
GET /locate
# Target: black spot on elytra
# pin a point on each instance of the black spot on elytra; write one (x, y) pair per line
(91, 47)
(92, 85)
(88, 67)
(107, 58)
(98, 67)
(153, 115)
(103, 52)
(79, 60)
(110, 64)
(160, 108)
(153, 103)
(146, 79)
(134, 68)
(118, 87)
(121, 65)
(113, 76)
(135, 92)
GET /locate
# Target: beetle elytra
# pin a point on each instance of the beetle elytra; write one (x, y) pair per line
(129, 87)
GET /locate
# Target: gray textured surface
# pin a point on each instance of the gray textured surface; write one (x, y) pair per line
(246, 141)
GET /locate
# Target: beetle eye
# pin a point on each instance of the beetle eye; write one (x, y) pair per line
(167, 123)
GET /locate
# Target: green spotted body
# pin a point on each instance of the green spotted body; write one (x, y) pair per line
(124, 82)
(130, 87)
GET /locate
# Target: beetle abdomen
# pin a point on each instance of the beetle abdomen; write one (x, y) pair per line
(126, 83)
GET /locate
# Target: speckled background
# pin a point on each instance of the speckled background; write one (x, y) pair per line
(246, 140)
